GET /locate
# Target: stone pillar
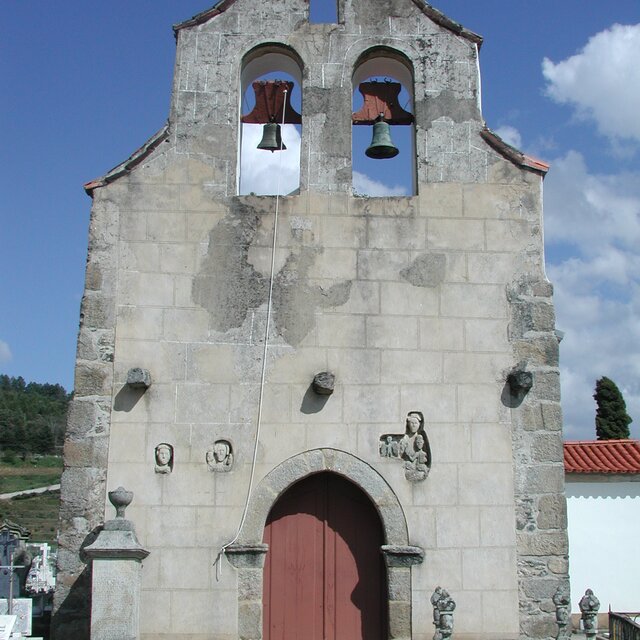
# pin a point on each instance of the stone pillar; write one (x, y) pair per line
(249, 559)
(116, 557)
(399, 559)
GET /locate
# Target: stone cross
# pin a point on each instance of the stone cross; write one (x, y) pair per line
(9, 583)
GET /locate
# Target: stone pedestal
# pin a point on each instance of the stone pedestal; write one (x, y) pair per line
(116, 558)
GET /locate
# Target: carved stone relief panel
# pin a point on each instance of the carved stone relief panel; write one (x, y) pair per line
(412, 447)
(219, 457)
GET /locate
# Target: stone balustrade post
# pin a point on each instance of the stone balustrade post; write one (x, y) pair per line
(116, 557)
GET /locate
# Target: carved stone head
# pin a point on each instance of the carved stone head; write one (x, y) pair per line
(219, 456)
(164, 458)
(220, 450)
(414, 422)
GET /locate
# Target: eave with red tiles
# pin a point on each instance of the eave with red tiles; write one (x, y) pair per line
(514, 155)
(602, 458)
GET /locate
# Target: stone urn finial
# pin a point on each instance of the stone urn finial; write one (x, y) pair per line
(120, 499)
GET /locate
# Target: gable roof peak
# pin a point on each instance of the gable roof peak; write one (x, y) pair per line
(429, 10)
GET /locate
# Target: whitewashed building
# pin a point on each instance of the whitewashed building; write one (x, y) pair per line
(603, 508)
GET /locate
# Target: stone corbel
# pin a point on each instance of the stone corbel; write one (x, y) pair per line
(402, 556)
(247, 556)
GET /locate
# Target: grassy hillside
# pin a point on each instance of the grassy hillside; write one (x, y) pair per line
(39, 513)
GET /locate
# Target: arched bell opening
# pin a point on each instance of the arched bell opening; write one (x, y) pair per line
(270, 121)
(383, 132)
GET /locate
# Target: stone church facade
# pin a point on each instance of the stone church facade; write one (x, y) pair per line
(428, 317)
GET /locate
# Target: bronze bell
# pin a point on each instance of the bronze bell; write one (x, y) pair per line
(271, 138)
(381, 146)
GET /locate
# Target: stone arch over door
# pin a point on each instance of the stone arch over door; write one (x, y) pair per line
(248, 554)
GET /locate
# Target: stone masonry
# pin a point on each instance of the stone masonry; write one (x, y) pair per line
(425, 303)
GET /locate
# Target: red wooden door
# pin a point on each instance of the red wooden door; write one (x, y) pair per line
(324, 576)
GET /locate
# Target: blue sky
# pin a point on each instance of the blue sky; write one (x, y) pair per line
(85, 83)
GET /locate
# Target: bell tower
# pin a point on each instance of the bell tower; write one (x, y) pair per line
(273, 340)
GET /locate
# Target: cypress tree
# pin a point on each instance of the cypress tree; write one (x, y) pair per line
(612, 419)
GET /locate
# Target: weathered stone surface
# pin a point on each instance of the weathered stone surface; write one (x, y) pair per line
(138, 378)
(539, 626)
(543, 350)
(244, 556)
(543, 544)
(559, 565)
(427, 270)
(552, 512)
(92, 380)
(546, 447)
(399, 556)
(552, 416)
(323, 383)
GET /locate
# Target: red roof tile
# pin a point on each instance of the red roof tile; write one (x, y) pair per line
(602, 456)
(514, 155)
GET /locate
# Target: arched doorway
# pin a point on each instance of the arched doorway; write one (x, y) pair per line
(324, 575)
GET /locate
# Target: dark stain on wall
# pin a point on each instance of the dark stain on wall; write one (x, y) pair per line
(229, 287)
(427, 270)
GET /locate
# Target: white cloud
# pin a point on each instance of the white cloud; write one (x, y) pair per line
(5, 352)
(591, 212)
(602, 82)
(364, 185)
(260, 170)
(510, 135)
(602, 338)
(592, 226)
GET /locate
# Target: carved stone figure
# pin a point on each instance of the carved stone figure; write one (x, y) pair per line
(589, 606)
(414, 422)
(412, 447)
(421, 459)
(443, 608)
(220, 456)
(164, 458)
(435, 597)
(388, 448)
(562, 602)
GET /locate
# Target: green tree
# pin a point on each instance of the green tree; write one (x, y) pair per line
(32, 416)
(612, 419)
